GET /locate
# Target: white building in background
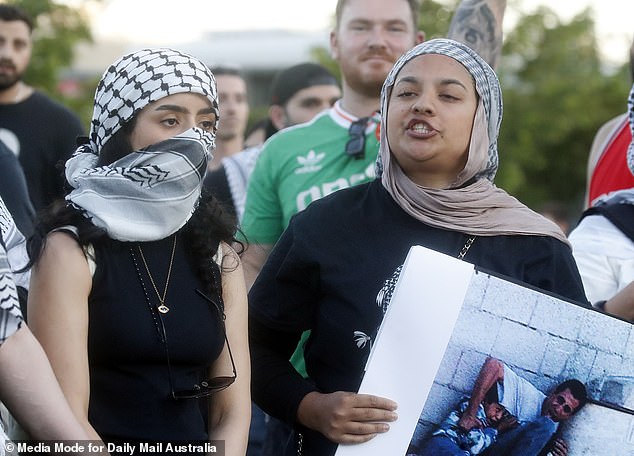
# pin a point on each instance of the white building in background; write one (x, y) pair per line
(258, 54)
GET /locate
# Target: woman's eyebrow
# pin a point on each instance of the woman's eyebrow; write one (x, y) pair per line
(443, 82)
(169, 107)
(407, 79)
(451, 81)
(181, 109)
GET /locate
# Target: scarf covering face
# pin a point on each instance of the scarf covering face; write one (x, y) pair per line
(151, 193)
(472, 204)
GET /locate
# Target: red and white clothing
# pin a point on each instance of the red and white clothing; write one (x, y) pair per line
(608, 170)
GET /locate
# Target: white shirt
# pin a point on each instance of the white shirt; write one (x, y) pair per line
(604, 255)
(520, 397)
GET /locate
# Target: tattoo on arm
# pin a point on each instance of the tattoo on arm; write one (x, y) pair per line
(476, 25)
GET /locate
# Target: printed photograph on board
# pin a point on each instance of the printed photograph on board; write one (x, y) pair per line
(522, 372)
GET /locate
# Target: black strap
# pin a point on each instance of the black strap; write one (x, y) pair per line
(620, 213)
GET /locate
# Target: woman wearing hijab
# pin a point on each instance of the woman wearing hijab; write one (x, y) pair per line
(135, 295)
(442, 109)
(603, 246)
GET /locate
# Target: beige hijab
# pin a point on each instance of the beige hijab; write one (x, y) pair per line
(473, 204)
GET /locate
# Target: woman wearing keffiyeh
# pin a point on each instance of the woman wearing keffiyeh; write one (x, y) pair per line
(136, 295)
(333, 271)
(603, 245)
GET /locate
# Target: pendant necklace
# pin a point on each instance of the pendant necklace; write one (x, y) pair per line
(161, 297)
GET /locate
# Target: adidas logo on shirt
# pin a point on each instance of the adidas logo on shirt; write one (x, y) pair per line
(310, 163)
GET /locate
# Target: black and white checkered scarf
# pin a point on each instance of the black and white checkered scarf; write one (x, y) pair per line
(151, 193)
(10, 314)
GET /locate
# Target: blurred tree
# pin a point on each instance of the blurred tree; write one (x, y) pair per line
(434, 17)
(58, 29)
(556, 95)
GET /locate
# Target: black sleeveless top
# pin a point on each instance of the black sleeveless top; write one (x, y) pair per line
(130, 385)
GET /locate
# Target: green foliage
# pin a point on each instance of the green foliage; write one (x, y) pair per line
(555, 98)
(435, 17)
(322, 56)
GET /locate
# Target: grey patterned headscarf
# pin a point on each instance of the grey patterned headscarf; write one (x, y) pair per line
(148, 194)
(472, 204)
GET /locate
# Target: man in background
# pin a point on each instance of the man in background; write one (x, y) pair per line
(39, 131)
(297, 94)
(234, 113)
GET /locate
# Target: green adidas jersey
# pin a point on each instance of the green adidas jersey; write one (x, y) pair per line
(300, 165)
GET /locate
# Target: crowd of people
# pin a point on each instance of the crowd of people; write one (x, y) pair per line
(167, 296)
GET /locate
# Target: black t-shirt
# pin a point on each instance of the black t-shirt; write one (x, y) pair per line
(41, 132)
(325, 274)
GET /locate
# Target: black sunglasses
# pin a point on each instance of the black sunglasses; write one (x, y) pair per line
(209, 386)
(355, 147)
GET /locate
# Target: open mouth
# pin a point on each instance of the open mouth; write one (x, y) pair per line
(420, 127)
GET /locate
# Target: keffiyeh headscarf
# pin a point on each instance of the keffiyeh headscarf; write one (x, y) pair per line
(148, 194)
(473, 204)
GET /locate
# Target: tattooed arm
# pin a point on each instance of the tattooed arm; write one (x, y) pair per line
(478, 23)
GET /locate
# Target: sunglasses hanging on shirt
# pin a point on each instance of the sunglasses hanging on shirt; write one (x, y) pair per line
(355, 147)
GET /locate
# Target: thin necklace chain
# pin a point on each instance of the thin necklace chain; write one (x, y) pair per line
(466, 247)
(162, 307)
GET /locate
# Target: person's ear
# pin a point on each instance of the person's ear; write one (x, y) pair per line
(278, 116)
(420, 37)
(334, 49)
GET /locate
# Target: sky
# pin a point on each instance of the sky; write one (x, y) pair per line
(165, 22)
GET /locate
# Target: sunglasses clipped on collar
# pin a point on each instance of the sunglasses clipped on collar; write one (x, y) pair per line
(355, 147)
(209, 386)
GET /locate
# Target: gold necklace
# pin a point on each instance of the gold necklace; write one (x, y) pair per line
(162, 307)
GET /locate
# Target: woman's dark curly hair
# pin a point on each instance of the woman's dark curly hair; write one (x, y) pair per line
(210, 223)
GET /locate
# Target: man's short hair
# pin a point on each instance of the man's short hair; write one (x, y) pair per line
(291, 80)
(10, 13)
(578, 390)
(221, 70)
(414, 7)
